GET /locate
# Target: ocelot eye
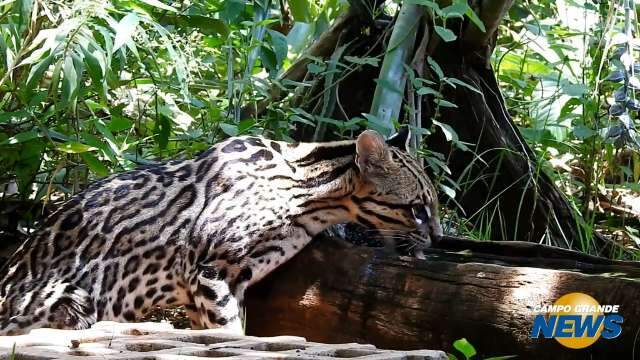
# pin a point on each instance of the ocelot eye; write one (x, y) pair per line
(421, 214)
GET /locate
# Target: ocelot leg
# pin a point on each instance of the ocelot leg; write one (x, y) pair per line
(67, 307)
(216, 305)
(194, 316)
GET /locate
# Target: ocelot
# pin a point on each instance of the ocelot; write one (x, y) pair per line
(199, 232)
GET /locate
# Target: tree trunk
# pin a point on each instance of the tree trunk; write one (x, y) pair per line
(501, 184)
(482, 291)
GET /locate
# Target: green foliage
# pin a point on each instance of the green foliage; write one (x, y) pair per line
(469, 351)
(568, 72)
(88, 88)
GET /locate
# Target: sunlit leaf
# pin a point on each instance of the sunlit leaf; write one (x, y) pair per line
(465, 348)
(125, 29)
(74, 147)
(160, 5)
(634, 82)
(21, 137)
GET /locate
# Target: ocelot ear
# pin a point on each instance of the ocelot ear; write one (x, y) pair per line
(400, 139)
(372, 153)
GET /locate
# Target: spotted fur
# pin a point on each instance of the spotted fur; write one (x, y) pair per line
(199, 232)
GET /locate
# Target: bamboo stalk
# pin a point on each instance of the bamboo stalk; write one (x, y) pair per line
(389, 93)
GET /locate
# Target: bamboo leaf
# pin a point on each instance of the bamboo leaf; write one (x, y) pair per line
(21, 137)
(74, 147)
(125, 29)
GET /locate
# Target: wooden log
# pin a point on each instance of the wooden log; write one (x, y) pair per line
(484, 292)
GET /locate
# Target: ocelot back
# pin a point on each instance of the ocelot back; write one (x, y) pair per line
(198, 232)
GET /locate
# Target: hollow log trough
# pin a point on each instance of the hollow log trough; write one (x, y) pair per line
(485, 292)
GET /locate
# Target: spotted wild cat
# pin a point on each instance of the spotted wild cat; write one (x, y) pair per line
(199, 232)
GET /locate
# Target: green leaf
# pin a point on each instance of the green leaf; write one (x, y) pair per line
(449, 192)
(457, 9)
(268, 58)
(245, 125)
(21, 137)
(475, 19)
(446, 34)
(436, 68)
(69, 82)
(445, 103)
(125, 29)
(464, 84)
(207, 25)
(280, 46)
(162, 130)
(36, 72)
(582, 132)
(15, 116)
(465, 348)
(300, 10)
(363, 60)
(74, 147)
(300, 119)
(314, 68)
(447, 130)
(229, 129)
(119, 123)
(28, 164)
(160, 5)
(95, 165)
(429, 4)
(425, 90)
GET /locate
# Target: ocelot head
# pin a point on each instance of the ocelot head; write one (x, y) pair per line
(395, 195)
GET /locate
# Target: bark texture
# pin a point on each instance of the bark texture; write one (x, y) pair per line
(484, 292)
